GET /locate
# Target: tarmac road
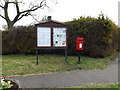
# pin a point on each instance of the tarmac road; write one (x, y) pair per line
(72, 78)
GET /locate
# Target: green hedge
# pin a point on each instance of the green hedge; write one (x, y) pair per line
(19, 41)
(22, 40)
(101, 38)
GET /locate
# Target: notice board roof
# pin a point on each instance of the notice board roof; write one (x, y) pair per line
(50, 23)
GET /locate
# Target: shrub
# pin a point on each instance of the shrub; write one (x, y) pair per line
(19, 41)
(100, 36)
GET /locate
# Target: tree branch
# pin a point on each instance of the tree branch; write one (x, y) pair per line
(26, 14)
(33, 8)
(18, 13)
(30, 10)
(34, 18)
(14, 2)
(6, 12)
(2, 6)
(2, 17)
(17, 7)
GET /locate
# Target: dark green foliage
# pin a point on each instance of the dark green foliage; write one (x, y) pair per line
(101, 38)
(19, 41)
(22, 41)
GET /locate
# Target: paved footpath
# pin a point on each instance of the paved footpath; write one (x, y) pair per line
(72, 78)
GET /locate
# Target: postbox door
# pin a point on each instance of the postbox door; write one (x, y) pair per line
(79, 44)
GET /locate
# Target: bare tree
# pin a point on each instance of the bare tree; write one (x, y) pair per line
(20, 12)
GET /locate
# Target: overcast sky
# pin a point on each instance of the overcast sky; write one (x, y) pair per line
(67, 10)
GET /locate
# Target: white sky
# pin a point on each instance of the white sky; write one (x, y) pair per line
(66, 10)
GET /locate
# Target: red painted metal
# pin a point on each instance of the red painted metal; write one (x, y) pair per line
(80, 43)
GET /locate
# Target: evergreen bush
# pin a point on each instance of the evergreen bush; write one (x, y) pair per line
(100, 37)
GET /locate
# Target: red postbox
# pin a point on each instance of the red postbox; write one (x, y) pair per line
(80, 43)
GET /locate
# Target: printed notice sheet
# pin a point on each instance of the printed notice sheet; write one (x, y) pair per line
(43, 37)
(59, 37)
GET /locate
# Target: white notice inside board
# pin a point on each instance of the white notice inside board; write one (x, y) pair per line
(43, 37)
(59, 37)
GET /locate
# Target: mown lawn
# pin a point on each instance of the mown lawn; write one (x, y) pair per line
(25, 64)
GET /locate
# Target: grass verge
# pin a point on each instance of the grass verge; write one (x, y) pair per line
(105, 85)
(25, 64)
